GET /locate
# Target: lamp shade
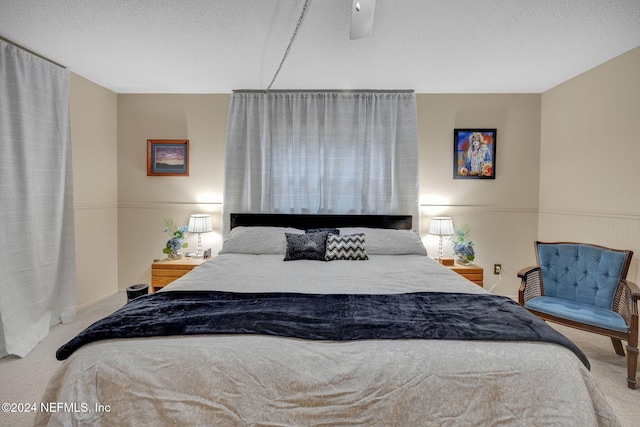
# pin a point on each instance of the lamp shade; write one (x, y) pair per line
(200, 223)
(441, 226)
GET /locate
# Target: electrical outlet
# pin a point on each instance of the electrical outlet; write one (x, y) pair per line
(497, 268)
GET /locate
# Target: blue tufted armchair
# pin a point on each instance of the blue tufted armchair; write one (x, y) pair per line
(584, 287)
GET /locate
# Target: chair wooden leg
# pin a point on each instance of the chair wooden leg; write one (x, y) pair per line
(632, 366)
(617, 346)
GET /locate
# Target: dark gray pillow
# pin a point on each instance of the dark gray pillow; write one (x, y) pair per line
(305, 246)
(320, 230)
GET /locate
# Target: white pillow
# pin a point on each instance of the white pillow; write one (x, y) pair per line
(384, 241)
(257, 240)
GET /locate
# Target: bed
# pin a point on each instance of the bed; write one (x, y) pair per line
(270, 333)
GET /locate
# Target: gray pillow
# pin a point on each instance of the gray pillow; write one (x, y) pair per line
(257, 240)
(383, 241)
(305, 246)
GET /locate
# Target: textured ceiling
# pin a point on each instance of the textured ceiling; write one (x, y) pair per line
(431, 46)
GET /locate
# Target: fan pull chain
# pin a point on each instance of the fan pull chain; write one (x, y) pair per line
(293, 36)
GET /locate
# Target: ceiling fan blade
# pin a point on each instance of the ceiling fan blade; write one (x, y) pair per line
(361, 18)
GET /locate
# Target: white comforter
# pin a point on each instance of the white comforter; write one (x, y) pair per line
(381, 274)
(259, 380)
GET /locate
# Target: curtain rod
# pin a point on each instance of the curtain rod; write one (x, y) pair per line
(323, 91)
(31, 52)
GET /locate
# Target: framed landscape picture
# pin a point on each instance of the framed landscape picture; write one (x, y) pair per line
(474, 153)
(168, 157)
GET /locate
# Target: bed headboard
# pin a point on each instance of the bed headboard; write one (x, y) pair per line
(302, 221)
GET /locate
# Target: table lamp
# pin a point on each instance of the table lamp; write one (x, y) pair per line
(441, 226)
(199, 223)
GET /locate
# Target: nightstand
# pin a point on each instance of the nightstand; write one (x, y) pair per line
(471, 272)
(165, 271)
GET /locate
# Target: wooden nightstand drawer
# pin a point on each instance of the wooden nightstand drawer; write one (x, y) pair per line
(166, 271)
(471, 272)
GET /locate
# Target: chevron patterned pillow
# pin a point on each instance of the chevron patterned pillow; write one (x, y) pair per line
(349, 247)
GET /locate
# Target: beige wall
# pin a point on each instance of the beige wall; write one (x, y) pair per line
(146, 201)
(517, 120)
(552, 149)
(94, 127)
(201, 119)
(589, 172)
(502, 213)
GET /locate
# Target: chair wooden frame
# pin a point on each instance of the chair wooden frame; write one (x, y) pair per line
(625, 303)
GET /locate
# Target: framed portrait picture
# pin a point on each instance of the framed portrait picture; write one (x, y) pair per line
(167, 157)
(474, 153)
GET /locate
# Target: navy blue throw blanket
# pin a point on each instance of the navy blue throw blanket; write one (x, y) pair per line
(338, 317)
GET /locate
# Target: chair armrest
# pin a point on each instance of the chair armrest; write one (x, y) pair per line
(626, 303)
(531, 284)
(522, 273)
(634, 319)
(635, 289)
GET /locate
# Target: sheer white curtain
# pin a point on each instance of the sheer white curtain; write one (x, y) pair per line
(322, 152)
(37, 253)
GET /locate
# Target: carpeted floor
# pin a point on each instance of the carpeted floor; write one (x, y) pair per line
(24, 380)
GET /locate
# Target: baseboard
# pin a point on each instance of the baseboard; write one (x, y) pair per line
(97, 300)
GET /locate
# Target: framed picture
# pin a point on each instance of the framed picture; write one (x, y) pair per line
(167, 157)
(474, 153)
